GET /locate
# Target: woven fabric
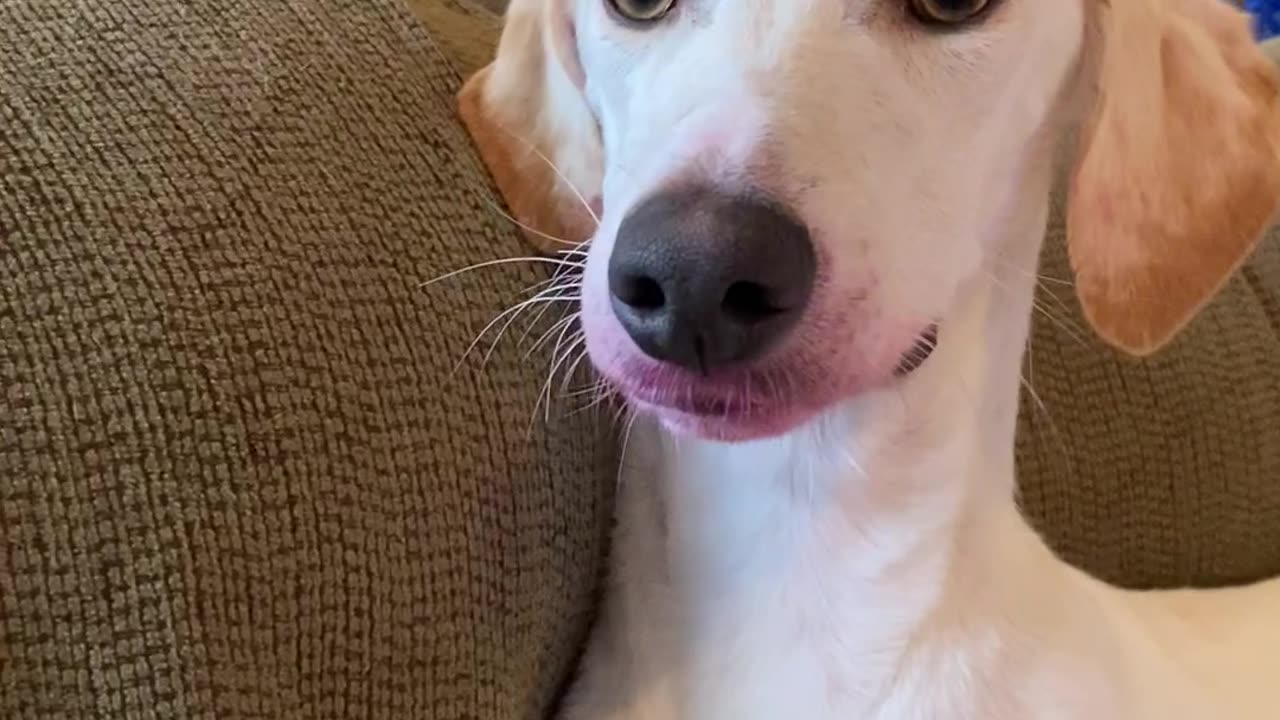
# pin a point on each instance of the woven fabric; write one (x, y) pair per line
(238, 475)
(466, 31)
(1165, 471)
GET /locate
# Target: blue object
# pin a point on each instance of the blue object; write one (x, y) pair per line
(1267, 13)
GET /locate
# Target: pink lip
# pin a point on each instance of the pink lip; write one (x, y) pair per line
(712, 427)
(726, 428)
(696, 402)
(724, 407)
(714, 409)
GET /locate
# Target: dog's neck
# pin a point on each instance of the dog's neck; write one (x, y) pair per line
(894, 502)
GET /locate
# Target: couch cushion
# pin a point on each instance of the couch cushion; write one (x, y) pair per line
(1164, 471)
(238, 475)
(1160, 472)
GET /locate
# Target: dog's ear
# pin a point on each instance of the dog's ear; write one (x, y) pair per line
(1179, 172)
(530, 121)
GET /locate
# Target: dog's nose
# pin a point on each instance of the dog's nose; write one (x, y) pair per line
(705, 280)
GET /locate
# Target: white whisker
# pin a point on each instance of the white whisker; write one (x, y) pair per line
(1066, 325)
(537, 318)
(559, 326)
(622, 452)
(579, 344)
(563, 178)
(525, 226)
(1032, 275)
(1027, 382)
(502, 261)
(510, 315)
(557, 358)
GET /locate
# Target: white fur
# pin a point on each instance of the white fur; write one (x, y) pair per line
(870, 563)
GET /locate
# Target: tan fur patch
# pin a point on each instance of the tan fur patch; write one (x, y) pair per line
(525, 178)
(1179, 173)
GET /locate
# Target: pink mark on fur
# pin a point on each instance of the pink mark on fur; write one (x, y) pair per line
(822, 364)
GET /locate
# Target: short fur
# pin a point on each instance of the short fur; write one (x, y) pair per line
(840, 542)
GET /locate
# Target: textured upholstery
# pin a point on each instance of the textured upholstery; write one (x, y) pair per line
(238, 477)
(1166, 471)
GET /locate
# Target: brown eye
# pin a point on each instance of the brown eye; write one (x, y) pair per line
(948, 12)
(642, 11)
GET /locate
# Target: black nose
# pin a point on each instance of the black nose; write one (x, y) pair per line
(706, 280)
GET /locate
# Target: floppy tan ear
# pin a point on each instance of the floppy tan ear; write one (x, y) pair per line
(533, 128)
(1179, 173)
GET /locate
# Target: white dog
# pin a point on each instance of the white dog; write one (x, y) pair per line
(815, 227)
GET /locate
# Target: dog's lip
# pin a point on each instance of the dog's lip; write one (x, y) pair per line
(722, 416)
(726, 398)
(699, 403)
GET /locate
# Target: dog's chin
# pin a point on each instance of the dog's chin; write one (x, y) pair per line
(749, 404)
(721, 428)
(760, 423)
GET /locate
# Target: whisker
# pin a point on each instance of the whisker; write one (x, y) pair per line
(602, 391)
(556, 359)
(1027, 381)
(1031, 275)
(1053, 425)
(541, 286)
(561, 283)
(597, 390)
(485, 330)
(493, 204)
(512, 313)
(545, 297)
(1040, 280)
(1066, 325)
(524, 336)
(622, 453)
(579, 344)
(510, 322)
(559, 326)
(502, 261)
(561, 358)
(589, 389)
(1062, 304)
(484, 192)
(853, 462)
(563, 178)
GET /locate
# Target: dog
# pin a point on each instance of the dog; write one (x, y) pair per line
(814, 228)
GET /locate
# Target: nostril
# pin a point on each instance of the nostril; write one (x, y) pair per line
(640, 292)
(704, 280)
(749, 302)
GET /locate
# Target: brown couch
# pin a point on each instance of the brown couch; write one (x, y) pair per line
(239, 477)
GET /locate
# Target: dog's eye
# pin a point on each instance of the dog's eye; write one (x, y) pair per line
(642, 11)
(948, 12)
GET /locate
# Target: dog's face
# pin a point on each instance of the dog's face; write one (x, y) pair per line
(791, 193)
(890, 138)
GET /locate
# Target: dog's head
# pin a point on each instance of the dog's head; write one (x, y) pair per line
(786, 196)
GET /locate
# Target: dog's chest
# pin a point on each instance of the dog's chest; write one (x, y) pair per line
(786, 658)
(748, 603)
(746, 600)
(797, 641)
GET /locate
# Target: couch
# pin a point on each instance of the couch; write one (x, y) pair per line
(245, 471)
